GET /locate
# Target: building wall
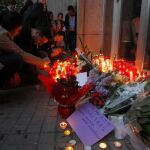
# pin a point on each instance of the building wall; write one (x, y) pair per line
(108, 27)
(91, 23)
(57, 6)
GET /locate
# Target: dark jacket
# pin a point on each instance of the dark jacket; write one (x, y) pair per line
(26, 7)
(38, 18)
(67, 24)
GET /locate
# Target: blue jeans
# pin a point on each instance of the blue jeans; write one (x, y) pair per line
(12, 63)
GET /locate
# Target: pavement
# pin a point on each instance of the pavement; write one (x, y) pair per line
(29, 120)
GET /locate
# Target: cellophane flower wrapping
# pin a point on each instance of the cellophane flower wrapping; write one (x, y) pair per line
(64, 94)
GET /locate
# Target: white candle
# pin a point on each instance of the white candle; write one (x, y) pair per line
(97, 61)
(110, 68)
(103, 66)
(131, 76)
(108, 62)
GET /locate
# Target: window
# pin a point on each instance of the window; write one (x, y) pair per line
(130, 25)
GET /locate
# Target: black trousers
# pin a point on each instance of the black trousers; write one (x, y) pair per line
(12, 63)
(71, 40)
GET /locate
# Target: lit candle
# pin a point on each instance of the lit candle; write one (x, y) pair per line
(69, 148)
(97, 61)
(45, 66)
(117, 144)
(144, 74)
(67, 132)
(103, 146)
(107, 62)
(131, 76)
(63, 125)
(110, 67)
(103, 66)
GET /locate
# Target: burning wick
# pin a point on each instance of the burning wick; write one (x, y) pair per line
(117, 144)
(63, 125)
(103, 146)
(45, 66)
(67, 132)
(131, 76)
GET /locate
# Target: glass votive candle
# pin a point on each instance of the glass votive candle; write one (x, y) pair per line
(117, 144)
(69, 147)
(67, 132)
(63, 125)
(103, 146)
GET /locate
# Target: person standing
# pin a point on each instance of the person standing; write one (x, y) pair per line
(26, 8)
(52, 23)
(71, 23)
(38, 17)
(60, 24)
(9, 9)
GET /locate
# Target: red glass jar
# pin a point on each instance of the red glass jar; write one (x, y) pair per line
(65, 110)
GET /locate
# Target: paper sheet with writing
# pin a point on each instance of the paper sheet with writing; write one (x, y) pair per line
(89, 124)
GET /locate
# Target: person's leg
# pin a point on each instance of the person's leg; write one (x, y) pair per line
(72, 41)
(67, 40)
(12, 63)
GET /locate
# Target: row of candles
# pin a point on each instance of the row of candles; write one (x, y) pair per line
(63, 69)
(67, 68)
(72, 143)
(67, 132)
(128, 69)
(124, 67)
(103, 62)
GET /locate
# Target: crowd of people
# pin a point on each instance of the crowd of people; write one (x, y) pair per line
(31, 38)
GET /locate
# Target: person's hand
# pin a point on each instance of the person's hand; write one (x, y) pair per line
(45, 63)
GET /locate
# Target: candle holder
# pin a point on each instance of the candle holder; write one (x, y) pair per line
(63, 125)
(67, 132)
(117, 144)
(69, 147)
(72, 142)
(103, 146)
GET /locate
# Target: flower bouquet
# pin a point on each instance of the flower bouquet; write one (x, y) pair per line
(62, 85)
(139, 119)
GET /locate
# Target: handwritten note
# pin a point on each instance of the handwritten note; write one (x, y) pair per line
(89, 124)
